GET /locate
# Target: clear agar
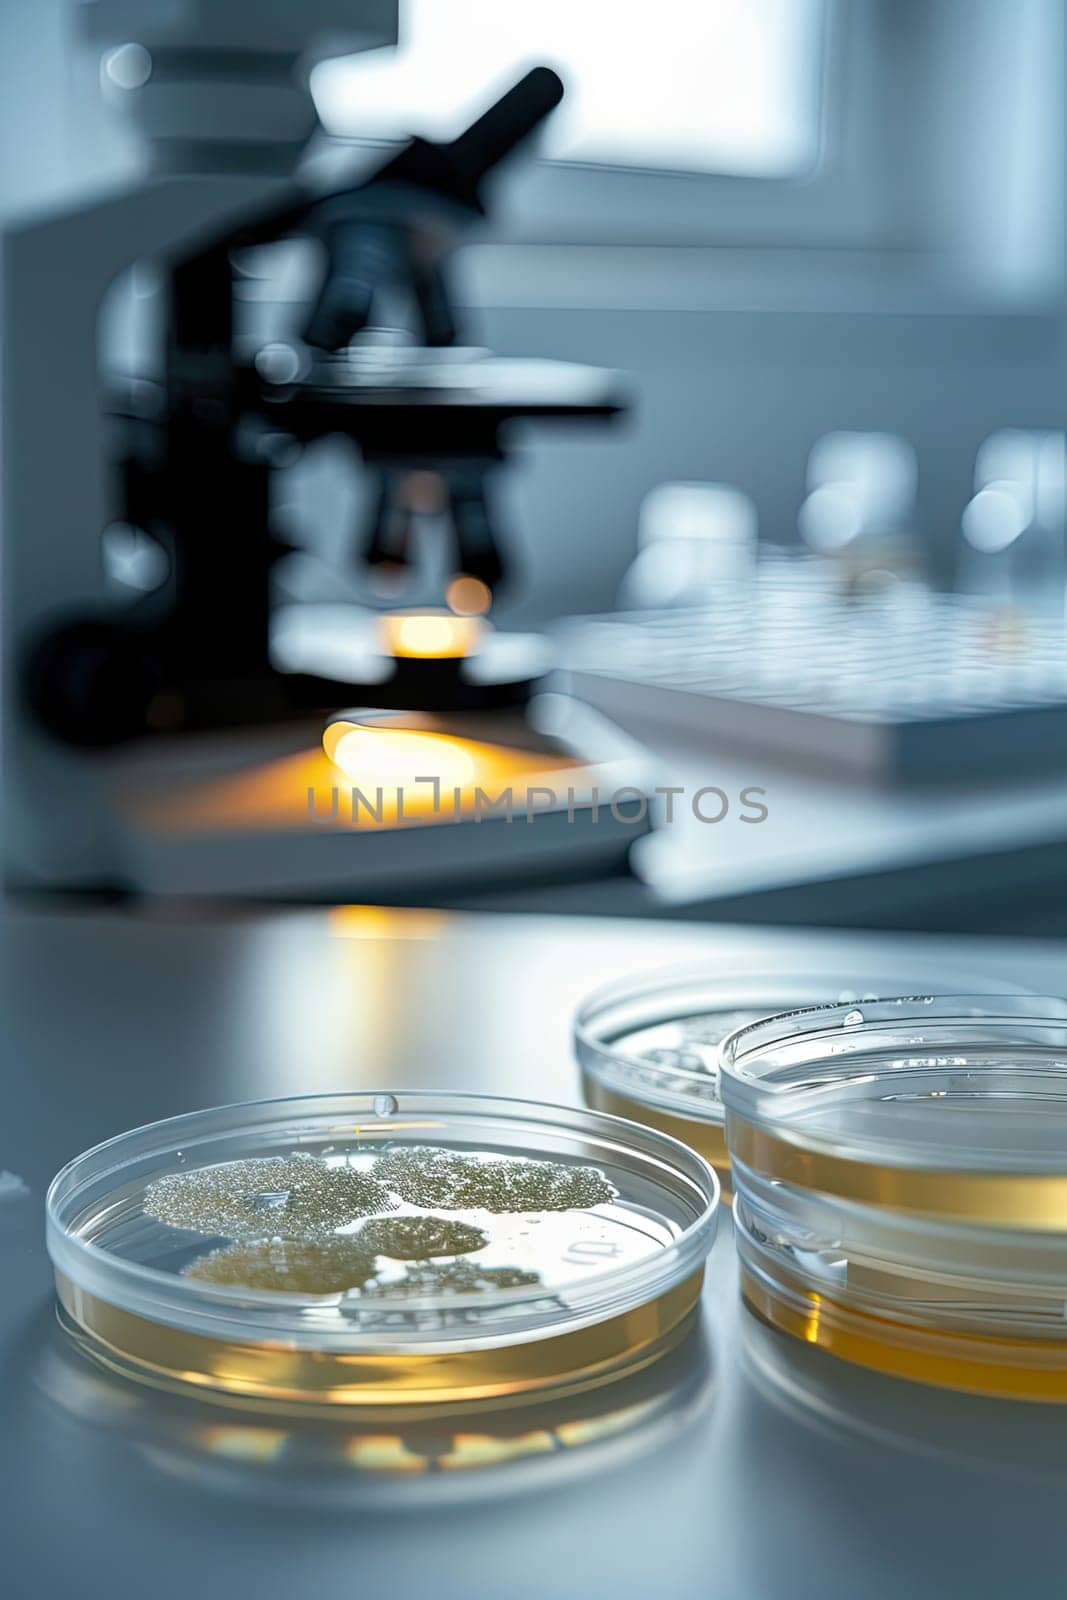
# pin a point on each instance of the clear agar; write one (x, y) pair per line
(648, 1047)
(374, 1250)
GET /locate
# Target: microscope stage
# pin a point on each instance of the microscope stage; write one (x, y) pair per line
(471, 379)
(429, 410)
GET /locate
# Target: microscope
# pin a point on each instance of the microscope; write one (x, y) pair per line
(164, 743)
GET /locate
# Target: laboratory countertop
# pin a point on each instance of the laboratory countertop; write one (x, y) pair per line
(743, 1466)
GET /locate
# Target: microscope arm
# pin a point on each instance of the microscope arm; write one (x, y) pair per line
(196, 654)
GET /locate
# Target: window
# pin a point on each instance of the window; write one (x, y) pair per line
(712, 86)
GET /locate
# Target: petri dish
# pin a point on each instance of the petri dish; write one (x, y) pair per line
(900, 1185)
(648, 1047)
(381, 1249)
(320, 1460)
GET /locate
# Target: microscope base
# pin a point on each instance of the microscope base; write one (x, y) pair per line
(269, 815)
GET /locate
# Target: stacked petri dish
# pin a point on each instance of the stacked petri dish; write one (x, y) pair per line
(381, 1250)
(900, 1177)
(648, 1047)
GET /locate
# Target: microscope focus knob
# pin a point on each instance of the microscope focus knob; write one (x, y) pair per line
(93, 682)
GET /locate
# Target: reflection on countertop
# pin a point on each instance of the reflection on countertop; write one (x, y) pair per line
(839, 1400)
(300, 1457)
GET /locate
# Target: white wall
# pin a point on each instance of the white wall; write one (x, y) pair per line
(56, 137)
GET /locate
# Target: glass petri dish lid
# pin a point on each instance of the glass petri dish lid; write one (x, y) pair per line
(381, 1249)
(900, 1174)
(648, 1047)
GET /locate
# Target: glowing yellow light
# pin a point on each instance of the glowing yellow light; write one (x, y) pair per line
(273, 796)
(373, 757)
(430, 635)
(468, 596)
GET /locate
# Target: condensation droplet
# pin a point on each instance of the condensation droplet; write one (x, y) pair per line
(385, 1105)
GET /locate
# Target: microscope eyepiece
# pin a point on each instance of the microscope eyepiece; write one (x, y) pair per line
(510, 120)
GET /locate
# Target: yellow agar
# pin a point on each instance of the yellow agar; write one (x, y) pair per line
(168, 1356)
(1016, 1369)
(1035, 1201)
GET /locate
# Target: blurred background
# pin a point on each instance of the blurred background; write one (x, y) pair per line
(822, 549)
